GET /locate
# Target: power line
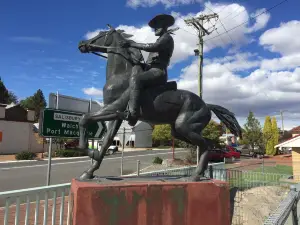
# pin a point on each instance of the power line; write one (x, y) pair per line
(188, 31)
(232, 41)
(228, 36)
(253, 17)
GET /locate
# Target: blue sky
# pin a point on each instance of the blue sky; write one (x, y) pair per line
(39, 49)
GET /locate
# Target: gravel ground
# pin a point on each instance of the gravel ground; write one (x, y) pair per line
(253, 206)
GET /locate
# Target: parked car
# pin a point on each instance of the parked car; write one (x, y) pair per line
(220, 154)
(231, 148)
(71, 144)
(111, 150)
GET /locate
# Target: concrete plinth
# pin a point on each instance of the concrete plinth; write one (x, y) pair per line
(151, 203)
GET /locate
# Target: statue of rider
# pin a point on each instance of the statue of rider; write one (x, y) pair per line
(155, 71)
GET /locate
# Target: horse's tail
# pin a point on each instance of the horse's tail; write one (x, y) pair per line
(227, 118)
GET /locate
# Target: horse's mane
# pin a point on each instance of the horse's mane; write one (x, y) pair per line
(135, 54)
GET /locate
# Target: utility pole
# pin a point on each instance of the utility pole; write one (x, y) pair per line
(282, 127)
(197, 23)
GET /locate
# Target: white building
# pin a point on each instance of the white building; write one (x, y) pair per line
(139, 136)
(17, 130)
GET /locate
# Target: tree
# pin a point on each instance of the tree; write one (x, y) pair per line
(252, 131)
(3, 93)
(162, 133)
(36, 102)
(6, 97)
(213, 131)
(12, 98)
(267, 136)
(275, 133)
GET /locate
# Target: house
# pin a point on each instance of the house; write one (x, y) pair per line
(139, 136)
(229, 139)
(295, 131)
(293, 143)
(16, 130)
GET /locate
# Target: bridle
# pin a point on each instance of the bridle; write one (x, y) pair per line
(107, 33)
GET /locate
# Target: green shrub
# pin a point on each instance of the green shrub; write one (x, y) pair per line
(25, 155)
(157, 160)
(52, 154)
(69, 153)
(191, 156)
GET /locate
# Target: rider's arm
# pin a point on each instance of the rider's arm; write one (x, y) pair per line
(153, 47)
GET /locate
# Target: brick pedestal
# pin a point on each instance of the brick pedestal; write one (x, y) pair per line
(151, 203)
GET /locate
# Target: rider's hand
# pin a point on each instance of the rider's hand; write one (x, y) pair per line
(124, 44)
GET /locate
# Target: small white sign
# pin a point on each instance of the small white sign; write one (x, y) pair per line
(66, 117)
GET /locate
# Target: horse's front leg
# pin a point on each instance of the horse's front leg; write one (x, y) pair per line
(104, 114)
(98, 156)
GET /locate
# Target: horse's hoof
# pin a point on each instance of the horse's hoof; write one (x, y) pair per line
(86, 176)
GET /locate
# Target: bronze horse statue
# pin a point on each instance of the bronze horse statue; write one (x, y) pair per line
(186, 112)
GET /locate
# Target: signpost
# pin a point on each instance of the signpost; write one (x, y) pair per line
(62, 117)
(59, 123)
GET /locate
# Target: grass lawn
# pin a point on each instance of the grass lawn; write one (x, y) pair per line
(279, 169)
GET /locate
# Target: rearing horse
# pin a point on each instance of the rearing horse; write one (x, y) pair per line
(186, 112)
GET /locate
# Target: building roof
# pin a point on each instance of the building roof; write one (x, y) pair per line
(295, 130)
(292, 142)
(11, 105)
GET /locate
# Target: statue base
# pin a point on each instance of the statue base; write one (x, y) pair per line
(149, 201)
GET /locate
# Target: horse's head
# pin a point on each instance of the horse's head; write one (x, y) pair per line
(99, 43)
(108, 42)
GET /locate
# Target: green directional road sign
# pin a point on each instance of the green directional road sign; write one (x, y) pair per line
(58, 123)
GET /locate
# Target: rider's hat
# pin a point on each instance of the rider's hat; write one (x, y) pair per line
(162, 21)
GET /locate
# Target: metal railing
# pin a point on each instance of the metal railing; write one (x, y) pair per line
(52, 204)
(287, 207)
(19, 204)
(178, 171)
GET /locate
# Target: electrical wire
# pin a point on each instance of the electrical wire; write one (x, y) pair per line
(224, 41)
(253, 17)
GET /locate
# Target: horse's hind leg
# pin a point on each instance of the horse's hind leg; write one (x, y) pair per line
(190, 124)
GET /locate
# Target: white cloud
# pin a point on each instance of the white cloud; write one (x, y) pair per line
(166, 3)
(186, 38)
(91, 34)
(261, 21)
(283, 63)
(262, 91)
(92, 91)
(283, 39)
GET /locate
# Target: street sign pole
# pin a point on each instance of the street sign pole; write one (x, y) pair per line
(123, 144)
(50, 151)
(90, 110)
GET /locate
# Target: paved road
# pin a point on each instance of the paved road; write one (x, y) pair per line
(26, 175)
